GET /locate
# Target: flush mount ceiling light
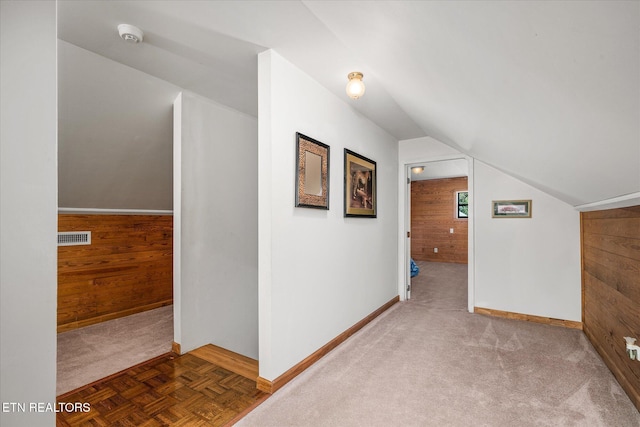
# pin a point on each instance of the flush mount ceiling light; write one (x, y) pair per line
(130, 33)
(417, 169)
(355, 87)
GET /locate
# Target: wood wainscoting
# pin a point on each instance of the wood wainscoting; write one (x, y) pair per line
(127, 269)
(433, 214)
(611, 289)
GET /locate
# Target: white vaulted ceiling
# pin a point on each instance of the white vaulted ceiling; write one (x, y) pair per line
(548, 92)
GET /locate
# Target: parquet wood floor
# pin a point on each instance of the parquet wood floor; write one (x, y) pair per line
(169, 390)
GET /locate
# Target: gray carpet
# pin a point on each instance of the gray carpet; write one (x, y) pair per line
(428, 362)
(97, 351)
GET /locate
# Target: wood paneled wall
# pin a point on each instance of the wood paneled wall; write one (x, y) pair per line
(611, 289)
(433, 213)
(128, 268)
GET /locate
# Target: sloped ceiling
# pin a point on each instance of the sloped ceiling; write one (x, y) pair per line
(546, 91)
(115, 134)
(441, 169)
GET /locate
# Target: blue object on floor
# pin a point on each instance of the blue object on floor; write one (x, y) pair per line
(414, 268)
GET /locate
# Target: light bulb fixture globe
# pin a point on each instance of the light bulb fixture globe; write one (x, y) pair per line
(355, 87)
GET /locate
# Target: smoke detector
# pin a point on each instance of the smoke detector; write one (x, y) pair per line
(130, 33)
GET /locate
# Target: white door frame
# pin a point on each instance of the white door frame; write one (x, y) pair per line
(405, 226)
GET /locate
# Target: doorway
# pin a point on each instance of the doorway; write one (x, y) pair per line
(447, 229)
(114, 182)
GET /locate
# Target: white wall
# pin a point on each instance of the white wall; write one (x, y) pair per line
(216, 211)
(319, 273)
(28, 208)
(415, 150)
(115, 145)
(529, 266)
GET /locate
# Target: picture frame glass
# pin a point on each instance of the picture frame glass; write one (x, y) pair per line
(511, 208)
(312, 173)
(359, 186)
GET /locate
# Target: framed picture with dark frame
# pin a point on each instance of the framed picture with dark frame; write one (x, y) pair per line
(312, 173)
(511, 208)
(359, 186)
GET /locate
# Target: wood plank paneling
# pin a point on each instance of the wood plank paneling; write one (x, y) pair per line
(611, 289)
(433, 213)
(128, 268)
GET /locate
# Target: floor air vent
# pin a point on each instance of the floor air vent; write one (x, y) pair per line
(74, 238)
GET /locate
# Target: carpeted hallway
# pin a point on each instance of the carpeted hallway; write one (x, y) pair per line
(428, 362)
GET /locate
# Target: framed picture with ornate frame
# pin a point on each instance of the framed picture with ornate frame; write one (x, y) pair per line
(312, 173)
(511, 209)
(359, 186)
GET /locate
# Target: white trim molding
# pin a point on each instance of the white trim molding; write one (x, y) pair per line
(404, 222)
(624, 201)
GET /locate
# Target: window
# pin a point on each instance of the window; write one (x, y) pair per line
(462, 202)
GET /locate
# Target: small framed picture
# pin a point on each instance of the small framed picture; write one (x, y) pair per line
(511, 208)
(312, 173)
(359, 186)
